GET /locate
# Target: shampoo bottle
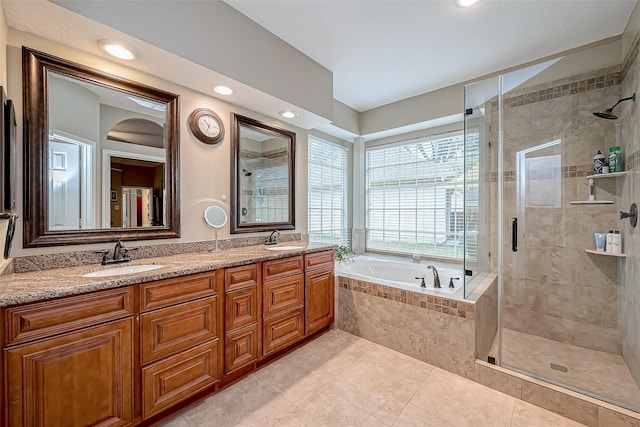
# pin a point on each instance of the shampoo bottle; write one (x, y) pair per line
(598, 163)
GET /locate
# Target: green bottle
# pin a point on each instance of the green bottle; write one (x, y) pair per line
(615, 159)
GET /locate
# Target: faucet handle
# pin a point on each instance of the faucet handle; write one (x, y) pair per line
(451, 285)
(422, 283)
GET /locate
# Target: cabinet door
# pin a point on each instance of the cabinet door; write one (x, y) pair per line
(79, 379)
(241, 308)
(283, 330)
(240, 348)
(175, 378)
(318, 300)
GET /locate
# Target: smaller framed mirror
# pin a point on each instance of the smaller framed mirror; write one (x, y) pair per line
(215, 217)
(262, 177)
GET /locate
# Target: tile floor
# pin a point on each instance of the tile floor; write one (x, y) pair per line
(588, 370)
(343, 380)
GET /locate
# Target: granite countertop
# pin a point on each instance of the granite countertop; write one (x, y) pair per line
(20, 288)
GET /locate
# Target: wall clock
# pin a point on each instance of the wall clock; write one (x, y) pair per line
(206, 126)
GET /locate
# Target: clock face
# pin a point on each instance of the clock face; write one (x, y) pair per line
(206, 126)
(209, 126)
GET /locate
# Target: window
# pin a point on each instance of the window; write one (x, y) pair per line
(327, 187)
(415, 195)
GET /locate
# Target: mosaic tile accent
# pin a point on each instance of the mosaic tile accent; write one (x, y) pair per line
(73, 259)
(607, 79)
(632, 161)
(442, 305)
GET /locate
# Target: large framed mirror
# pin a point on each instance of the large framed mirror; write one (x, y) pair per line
(262, 177)
(101, 156)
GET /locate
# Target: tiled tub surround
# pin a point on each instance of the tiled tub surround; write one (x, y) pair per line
(19, 288)
(440, 330)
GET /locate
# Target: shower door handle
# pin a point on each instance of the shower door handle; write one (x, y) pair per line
(514, 234)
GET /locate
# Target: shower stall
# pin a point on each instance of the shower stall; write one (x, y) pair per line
(567, 314)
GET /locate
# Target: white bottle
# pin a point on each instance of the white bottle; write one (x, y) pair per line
(609, 242)
(616, 245)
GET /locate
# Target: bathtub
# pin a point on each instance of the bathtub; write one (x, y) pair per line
(400, 274)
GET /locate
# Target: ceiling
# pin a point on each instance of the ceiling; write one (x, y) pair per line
(382, 51)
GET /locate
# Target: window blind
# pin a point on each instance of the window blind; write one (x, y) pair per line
(415, 196)
(327, 193)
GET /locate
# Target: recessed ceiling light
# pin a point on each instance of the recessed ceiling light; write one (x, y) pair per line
(465, 3)
(117, 49)
(288, 114)
(222, 90)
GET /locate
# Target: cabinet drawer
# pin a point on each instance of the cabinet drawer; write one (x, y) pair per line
(39, 320)
(241, 308)
(278, 268)
(282, 295)
(175, 378)
(282, 330)
(240, 277)
(164, 293)
(240, 348)
(319, 260)
(171, 330)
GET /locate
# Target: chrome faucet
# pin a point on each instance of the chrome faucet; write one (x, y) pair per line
(436, 276)
(120, 254)
(271, 240)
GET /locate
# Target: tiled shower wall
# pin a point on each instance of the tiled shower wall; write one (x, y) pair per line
(552, 288)
(629, 187)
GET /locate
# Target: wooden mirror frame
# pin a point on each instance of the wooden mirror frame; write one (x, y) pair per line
(35, 66)
(238, 122)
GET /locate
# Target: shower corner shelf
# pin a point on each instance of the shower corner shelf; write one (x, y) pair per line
(591, 202)
(607, 175)
(591, 251)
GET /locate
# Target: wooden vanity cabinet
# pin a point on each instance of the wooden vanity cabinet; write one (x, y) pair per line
(81, 377)
(319, 291)
(179, 344)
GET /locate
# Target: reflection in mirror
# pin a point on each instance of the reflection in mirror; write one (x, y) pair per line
(102, 156)
(262, 177)
(215, 217)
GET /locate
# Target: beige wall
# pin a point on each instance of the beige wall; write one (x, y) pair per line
(204, 169)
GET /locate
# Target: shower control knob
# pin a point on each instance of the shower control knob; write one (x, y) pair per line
(632, 215)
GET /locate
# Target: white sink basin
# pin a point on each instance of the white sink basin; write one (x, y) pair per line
(284, 248)
(120, 271)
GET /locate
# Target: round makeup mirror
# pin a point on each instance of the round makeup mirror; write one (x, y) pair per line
(215, 217)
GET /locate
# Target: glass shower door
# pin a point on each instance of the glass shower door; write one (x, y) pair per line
(559, 304)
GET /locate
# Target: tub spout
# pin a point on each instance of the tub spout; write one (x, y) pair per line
(436, 276)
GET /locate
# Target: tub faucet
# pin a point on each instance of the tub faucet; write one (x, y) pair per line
(436, 276)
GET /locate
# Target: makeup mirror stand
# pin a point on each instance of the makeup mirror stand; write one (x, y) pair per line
(215, 217)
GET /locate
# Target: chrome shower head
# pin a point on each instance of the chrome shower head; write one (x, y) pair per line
(608, 113)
